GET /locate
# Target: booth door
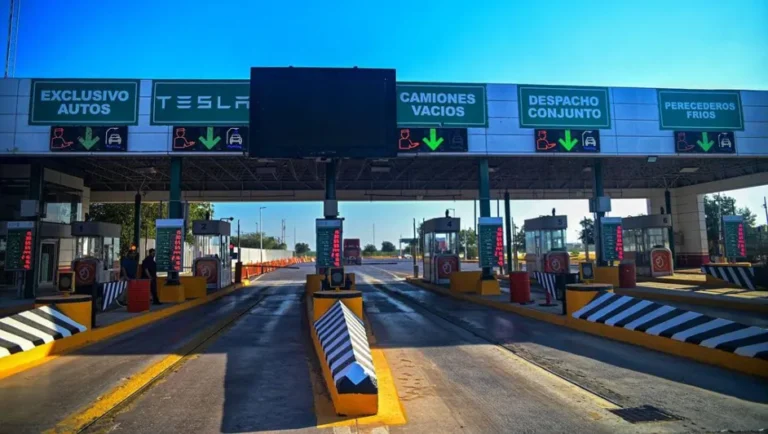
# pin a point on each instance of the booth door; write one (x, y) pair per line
(48, 262)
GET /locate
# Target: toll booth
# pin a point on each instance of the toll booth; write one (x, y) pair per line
(211, 252)
(646, 242)
(545, 244)
(97, 254)
(441, 248)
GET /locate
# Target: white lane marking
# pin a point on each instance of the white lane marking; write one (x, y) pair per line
(631, 311)
(592, 304)
(46, 322)
(701, 328)
(397, 303)
(749, 350)
(25, 328)
(674, 322)
(61, 316)
(23, 343)
(732, 336)
(600, 313)
(649, 317)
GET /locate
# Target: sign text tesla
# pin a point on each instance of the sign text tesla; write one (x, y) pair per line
(200, 103)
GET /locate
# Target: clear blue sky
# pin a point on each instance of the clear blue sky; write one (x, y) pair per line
(646, 43)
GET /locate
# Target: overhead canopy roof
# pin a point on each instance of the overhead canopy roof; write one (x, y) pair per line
(227, 173)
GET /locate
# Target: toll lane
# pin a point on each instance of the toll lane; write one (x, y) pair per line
(71, 382)
(706, 397)
(450, 380)
(252, 377)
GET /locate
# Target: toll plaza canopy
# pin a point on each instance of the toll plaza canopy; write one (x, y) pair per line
(120, 136)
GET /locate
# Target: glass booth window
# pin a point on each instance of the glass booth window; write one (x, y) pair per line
(656, 237)
(88, 246)
(530, 242)
(558, 240)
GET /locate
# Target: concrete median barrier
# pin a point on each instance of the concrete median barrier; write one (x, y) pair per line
(686, 333)
(464, 281)
(194, 287)
(345, 356)
(39, 326)
(737, 275)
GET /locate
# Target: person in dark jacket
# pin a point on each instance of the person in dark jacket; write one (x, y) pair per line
(149, 268)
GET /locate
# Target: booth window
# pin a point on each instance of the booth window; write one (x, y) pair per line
(530, 242)
(558, 240)
(656, 237)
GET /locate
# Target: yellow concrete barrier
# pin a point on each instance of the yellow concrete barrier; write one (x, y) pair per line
(314, 283)
(354, 387)
(323, 300)
(352, 280)
(488, 287)
(608, 275)
(194, 287)
(77, 306)
(578, 295)
(169, 293)
(464, 281)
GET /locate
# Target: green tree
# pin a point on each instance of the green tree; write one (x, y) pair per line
(301, 249)
(715, 208)
(587, 233)
(252, 240)
(387, 247)
(369, 249)
(468, 243)
(519, 240)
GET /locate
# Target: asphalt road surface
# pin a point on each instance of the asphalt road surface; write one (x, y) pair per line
(458, 367)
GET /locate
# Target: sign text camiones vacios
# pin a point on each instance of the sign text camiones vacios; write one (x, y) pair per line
(436, 105)
(574, 107)
(81, 102)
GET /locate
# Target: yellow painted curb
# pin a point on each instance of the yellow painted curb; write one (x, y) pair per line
(20, 362)
(107, 402)
(724, 359)
(725, 302)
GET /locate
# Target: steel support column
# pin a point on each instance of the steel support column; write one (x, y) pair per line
(671, 229)
(508, 226)
(137, 220)
(175, 208)
(597, 170)
(36, 185)
(485, 203)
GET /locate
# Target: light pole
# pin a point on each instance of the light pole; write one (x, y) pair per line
(261, 237)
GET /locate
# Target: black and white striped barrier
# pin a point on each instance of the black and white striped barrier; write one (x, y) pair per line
(678, 324)
(111, 292)
(31, 328)
(347, 353)
(548, 281)
(738, 275)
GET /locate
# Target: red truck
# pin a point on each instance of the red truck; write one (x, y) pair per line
(352, 253)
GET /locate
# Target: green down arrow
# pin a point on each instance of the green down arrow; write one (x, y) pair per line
(433, 141)
(210, 141)
(568, 143)
(89, 141)
(705, 142)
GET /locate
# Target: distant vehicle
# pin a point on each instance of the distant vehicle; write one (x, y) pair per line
(352, 252)
(407, 256)
(114, 139)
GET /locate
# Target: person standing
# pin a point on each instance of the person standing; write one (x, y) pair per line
(149, 268)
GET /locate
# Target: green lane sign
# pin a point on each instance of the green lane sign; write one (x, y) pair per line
(200, 103)
(612, 238)
(84, 102)
(441, 105)
(700, 110)
(734, 240)
(491, 242)
(563, 107)
(328, 239)
(18, 248)
(169, 245)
